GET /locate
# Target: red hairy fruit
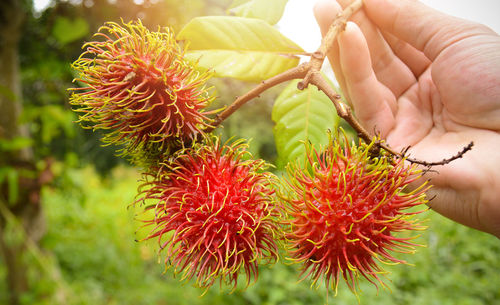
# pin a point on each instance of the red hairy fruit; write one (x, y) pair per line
(344, 210)
(138, 87)
(214, 213)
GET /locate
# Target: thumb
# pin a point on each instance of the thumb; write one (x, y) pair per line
(426, 29)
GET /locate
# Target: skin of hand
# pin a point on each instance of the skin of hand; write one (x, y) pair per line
(427, 80)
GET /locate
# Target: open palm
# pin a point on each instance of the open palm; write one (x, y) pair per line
(430, 81)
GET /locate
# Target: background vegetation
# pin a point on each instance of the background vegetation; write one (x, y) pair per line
(80, 248)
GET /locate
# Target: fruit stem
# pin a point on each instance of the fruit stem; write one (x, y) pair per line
(294, 73)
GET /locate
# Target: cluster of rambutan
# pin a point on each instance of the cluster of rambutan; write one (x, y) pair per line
(214, 207)
(214, 210)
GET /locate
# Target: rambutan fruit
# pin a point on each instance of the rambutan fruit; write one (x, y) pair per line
(344, 207)
(214, 212)
(140, 90)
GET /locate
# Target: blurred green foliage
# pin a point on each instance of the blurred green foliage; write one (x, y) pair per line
(91, 238)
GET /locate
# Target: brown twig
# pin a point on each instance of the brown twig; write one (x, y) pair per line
(309, 72)
(337, 26)
(343, 110)
(304, 71)
(459, 155)
(314, 77)
(294, 73)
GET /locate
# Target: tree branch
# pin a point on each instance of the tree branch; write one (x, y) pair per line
(310, 74)
(343, 110)
(303, 71)
(459, 155)
(337, 26)
(294, 73)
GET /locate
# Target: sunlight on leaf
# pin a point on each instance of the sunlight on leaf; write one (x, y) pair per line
(242, 48)
(269, 11)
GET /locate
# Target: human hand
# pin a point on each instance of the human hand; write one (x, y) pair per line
(430, 81)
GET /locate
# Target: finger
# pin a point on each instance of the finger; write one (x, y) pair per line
(389, 69)
(426, 29)
(325, 12)
(373, 103)
(413, 58)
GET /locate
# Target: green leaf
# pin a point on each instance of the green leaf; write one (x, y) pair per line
(248, 66)
(269, 11)
(14, 144)
(66, 30)
(242, 48)
(301, 116)
(54, 120)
